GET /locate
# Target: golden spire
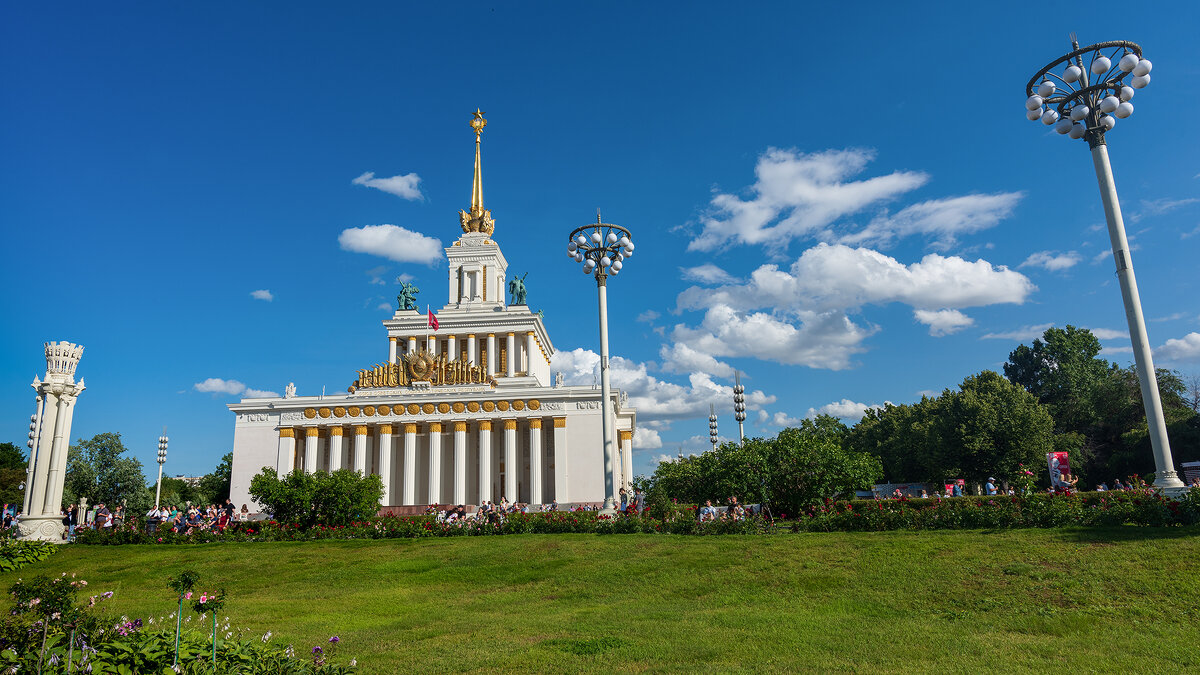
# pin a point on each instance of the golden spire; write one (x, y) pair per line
(477, 219)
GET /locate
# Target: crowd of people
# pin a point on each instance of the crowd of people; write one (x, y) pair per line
(186, 520)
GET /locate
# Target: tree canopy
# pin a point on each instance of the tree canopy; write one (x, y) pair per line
(99, 470)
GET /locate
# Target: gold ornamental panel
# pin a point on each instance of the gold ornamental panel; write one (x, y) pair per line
(625, 435)
(410, 428)
(387, 410)
(435, 427)
(287, 432)
(413, 408)
(518, 405)
(535, 404)
(485, 425)
(354, 411)
(443, 408)
(458, 407)
(489, 406)
(510, 424)
(360, 431)
(335, 431)
(560, 423)
(310, 413)
(369, 410)
(460, 426)
(535, 423)
(502, 406)
(339, 411)
(312, 432)
(427, 408)
(385, 429)
(324, 412)
(473, 406)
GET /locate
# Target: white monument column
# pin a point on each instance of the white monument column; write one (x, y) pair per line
(409, 496)
(491, 354)
(392, 348)
(535, 461)
(460, 462)
(472, 343)
(287, 451)
(312, 439)
(531, 348)
(626, 437)
(432, 342)
(412, 344)
(510, 454)
(435, 462)
(451, 348)
(50, 434)
(360, 449)
(560, 460)
(335, 448)
(485, 460)
(385, 462)
(510, 352)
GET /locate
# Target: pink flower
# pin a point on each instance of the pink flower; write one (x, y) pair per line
(187, 596)
(203, 598)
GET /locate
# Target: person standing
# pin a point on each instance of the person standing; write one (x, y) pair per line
(991, 486)
(103, 516)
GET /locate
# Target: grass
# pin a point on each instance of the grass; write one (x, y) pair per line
(1120, 599)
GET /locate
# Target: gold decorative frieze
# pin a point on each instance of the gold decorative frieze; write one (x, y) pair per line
(335, 431)
(413, 409)
(354, 411)
(518, 405)
(535, 423)
(473, 406)
(410, 428)
(534, 404)
(458, 407)
(324, 412)
(387, 410)
(339, 411)
(502, 406)
(385, 429)
(460, 426)
(421, 367)
(310, 413)
(287, 432)
(560, 423)
(510, 424)
(369, 410)
(428, 408)
(443, 408)
(489, 406)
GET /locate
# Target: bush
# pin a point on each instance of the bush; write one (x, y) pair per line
(15, 554)
(319, 498)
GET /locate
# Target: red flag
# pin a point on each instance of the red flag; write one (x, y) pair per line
(433, 320)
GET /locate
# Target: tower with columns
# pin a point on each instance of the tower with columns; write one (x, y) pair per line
(465, 413)
(49, 438)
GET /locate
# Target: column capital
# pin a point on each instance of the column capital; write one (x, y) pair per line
(625, 435)
(410, 428)
(470, 335)
(312, 431)
(385, 429)
(336, 431)
(360, 430)
(485, 425)
(491, 335)
(510, 424)
(450, 336)
(287, 432)
(393, 338)
(460, 426)
(435, 427)
(535, 423)
(531, 333)
(511, 334)
(560, 423)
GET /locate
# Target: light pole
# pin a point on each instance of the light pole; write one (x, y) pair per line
(162, 458)
(1084, 100)
(739, 405)
(712, 425)
(602, 248)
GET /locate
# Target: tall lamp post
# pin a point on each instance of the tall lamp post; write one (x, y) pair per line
(602, 249)
(162, 458)
(739, 405)
(712, 425)
(1082, 94)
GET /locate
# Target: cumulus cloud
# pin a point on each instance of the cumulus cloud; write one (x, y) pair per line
(1109, 334)
(648, 316)
(943, 321)
(216, 385)
(655, 399)
(406, 186)
(844, 409)
(1052, 261)
(646, 439)
(1020, 334)
(1178, 350)
(262, 294)
(386, 306)
(1158, 207)
(941, 219)
(376, 274)
(707, 273)
(680, 358)
(391, 242)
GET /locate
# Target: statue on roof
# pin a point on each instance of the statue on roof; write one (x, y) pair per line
(408, 296)
(478, 219)
(516, 287)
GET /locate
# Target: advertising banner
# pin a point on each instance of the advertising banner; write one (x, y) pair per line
(1059, 464)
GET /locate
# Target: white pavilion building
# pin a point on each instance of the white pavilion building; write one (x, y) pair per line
(464, 413)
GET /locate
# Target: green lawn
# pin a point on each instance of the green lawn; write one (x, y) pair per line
(1122, 599)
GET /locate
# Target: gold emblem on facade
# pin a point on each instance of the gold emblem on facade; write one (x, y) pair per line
(518, 405)
(413, 408)
(354, 411)
(535, 404)
(339, 411)
(369, 410)
(387, 410)
(310, 413)
(421, 367)
(324, 412)
(427, 408)
(443, 408)
(473, 407)
(502, 406)
(489, 406)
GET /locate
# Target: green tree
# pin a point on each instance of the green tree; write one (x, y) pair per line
(905, 439)
(214, 487)
(319, 498)
(97, 469)
(13, 466)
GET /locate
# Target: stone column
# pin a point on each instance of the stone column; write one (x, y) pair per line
(385, 462)
(626, 437)
(510, 354)
(58, 456)
(535, 461)
(392, 348)
(287, 451)
(409, 497)
(335, 448)
(531, 348)
(485, 460)
(432, 342)
(460, 462)
(360, 449)
(412, 344)
(510, 455)
(51, 426)
(312, 439)
(435, 462)
(471, 344)
(560, 460)
(451, 348)
(491, 354)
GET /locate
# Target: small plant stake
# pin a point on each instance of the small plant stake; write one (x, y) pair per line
(183, 585)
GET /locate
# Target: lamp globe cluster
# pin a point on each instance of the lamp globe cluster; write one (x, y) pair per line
(162, 449)
(602, 248)
(712, 426)
(32, 432)
(1088, 89)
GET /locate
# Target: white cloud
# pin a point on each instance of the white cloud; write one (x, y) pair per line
(1157, 207)
(406, 186)
(1170, 317)
(1186, 348)
(216, 385)
(404, 278)
(680, 358)
(814, 339)
(1051, 261)
(648, 316)
(391, 242)
(655, 400)
(1190, 233)
(376, 274)
(781, 419)
(646, 439)
(262, 294)
(1021, 334)
(844, 409)
(942, 219)
(1101, 256)
(943, 321)
(1109, 334)
(386, 306)
(662, 457)
(707, 273)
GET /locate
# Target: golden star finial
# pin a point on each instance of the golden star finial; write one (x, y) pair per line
(477, 122)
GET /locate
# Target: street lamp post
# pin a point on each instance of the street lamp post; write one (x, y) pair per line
(602, 249)
(1084, 100)
(162, 458)
(739, 405)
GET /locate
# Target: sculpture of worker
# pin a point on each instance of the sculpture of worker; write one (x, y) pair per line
(516, 287)
(408, 296)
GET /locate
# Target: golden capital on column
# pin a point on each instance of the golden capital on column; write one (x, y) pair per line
(470, 335)
(312, 431)
(530, 333)
(385, 429)
(560, 423)
(360, 431)
(510, 424)
(460, 426)
(625, 435)
(393, 338)
(336, 431)
(485, 425)
(287, 432)
(410, 428)
(535, 423)
(435, 427)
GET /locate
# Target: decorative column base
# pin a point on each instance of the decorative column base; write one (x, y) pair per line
(42, 528)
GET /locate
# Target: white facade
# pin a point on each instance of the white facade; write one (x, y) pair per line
(466, 413)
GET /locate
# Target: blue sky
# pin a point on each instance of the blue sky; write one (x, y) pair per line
(844, 202)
